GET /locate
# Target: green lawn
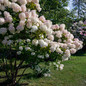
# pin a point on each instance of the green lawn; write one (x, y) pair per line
(73, 74)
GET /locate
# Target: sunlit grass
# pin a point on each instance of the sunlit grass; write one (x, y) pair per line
(73, 74)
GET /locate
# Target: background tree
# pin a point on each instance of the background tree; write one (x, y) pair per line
(79, 8)
(55, 11)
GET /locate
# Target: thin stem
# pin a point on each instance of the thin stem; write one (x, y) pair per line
(21, 75)
(18, 67)
(20, 64)
(15, 69)
(12, 74)
(6, 70)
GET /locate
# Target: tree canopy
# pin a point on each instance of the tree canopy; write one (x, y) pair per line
(54, 10)
(79, 8)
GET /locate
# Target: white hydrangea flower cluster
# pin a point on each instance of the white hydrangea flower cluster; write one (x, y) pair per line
(58, 65)
(38, 31)
(18, 7)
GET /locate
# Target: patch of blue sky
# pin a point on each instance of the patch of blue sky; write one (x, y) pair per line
(70, 6)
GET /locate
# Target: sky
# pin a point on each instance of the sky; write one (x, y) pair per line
(70, 6)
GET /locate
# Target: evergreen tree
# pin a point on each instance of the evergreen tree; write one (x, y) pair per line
(80, 8)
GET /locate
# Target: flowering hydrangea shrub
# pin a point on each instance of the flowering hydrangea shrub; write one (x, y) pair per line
(79, 30)
(30, 38)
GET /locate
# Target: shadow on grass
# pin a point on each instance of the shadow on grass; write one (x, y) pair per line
(80, 53)
(33, 75)
(25, 77)
(5, 83)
